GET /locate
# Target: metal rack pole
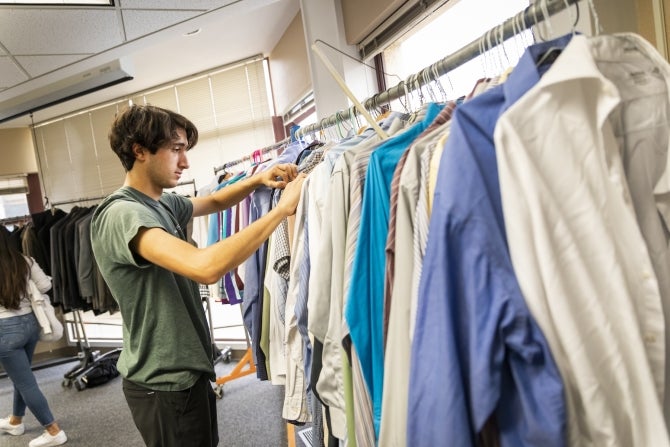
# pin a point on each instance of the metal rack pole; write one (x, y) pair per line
(529, 17)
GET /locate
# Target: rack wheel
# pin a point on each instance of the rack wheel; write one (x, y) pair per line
(227, 357)
(79, 385)
(218, 390)
(66, 383)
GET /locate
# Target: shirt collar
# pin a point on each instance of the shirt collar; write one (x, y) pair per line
(526, 73)
(575, 62)
(578, 61)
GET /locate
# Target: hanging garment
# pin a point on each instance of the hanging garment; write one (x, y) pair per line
(327, 222)
(254, 267)
(399, 271)
(476, 350)
(364, 309)
(574, 240)
(298, 353)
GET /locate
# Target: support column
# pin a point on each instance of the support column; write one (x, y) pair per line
(322, 19)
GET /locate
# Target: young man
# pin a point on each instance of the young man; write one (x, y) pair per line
(139, 243)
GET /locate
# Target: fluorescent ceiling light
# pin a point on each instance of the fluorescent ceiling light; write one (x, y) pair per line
(59, 2)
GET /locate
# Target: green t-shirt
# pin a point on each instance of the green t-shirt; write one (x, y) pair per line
(166, 340)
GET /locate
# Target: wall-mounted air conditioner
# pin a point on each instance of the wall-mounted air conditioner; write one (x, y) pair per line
(71, 87)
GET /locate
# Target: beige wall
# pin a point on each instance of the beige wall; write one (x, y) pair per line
(647, 24)
(645, 20)
(363, 16)
(18, 154)
(635, 16)
(616, 16)
(289, 67)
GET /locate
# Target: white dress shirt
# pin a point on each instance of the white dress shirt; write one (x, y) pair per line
(295, 392)
(575, 243)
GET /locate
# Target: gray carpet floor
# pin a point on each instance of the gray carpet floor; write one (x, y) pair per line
(249, 413)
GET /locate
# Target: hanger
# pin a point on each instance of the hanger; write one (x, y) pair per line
(225, 175)
(419, 90)
(338, 122)
(257, 156)
(596, 20)
(550, 56)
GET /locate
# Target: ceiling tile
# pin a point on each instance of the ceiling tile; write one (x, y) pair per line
(140, 23)
(173, 4)
(38, 65)
(60, 32)
(10, 74)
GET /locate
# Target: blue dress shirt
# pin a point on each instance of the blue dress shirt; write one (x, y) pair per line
(477, 352)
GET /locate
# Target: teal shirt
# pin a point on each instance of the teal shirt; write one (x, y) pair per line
(166, 341)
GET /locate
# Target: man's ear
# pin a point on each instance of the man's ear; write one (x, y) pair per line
(139, 151)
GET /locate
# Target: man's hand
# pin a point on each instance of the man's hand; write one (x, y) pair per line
(291, 195)
(279, 176)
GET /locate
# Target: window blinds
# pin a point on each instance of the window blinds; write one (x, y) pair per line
(229, 106)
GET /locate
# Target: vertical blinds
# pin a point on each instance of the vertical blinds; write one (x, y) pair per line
(230, 107)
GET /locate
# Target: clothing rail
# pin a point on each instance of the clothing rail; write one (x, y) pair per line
(184, 183)
(82, 199)
(263, 151)
(16, 219)
(532, 15)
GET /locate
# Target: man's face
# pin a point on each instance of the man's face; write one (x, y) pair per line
(168, 163)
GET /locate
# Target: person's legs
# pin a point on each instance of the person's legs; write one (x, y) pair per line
(174, 418)
(18, 338)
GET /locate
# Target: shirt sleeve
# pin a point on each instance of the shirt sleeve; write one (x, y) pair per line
(118, 224)
(41, 280)
(181, 206)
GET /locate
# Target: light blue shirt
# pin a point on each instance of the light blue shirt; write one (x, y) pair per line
(477, 351)
(365, 305)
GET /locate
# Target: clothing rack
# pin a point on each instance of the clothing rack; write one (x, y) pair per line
(532, 15)
(187, 182)
(82, 199)
(245, 365)
(184, 183)
(15, 219)
(88, 359)
(262, 151)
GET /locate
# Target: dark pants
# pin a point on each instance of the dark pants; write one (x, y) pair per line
(174, 418)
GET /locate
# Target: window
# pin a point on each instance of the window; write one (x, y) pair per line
(13, 200)
(13, 205)
(446, 31)
(13, 185)
(13, 209)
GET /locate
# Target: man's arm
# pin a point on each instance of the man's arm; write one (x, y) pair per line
(207, 265)
(275, 177)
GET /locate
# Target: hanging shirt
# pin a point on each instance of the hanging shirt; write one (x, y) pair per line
(393, 428)
(476, 350)
(327, 222)
(254, 267)
(365, 305)
(574, 240)
(295, 392)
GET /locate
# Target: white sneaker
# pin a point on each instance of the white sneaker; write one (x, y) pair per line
(14, 430)
(47, 440)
